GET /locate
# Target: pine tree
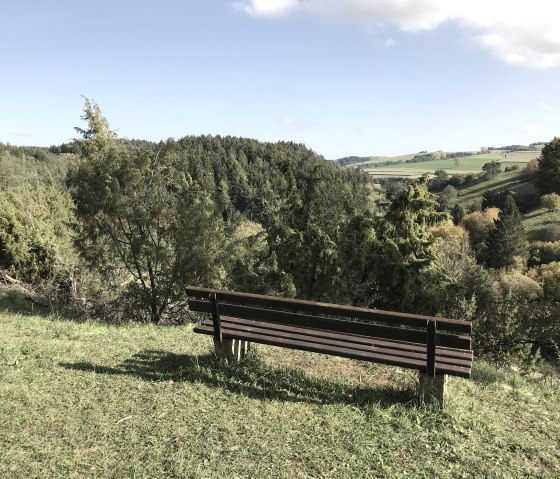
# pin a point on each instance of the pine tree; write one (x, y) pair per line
(547, 177)
(407, 264)
(508, 240)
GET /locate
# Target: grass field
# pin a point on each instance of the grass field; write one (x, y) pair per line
(536, 222)
(464, 164)
(379, 159)
(521, 156)
(510, 180)
(139, 401)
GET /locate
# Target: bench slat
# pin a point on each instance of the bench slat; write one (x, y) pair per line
(346, 352)
(372, 347)
(332, 309)
(455, 354)
(330, 324)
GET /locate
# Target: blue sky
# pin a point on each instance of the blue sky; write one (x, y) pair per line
(358, 77)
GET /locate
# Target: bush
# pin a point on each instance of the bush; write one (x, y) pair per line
(550, 201)
(36, 239)
(457, 180)
(479, 224)
(550, 276)
(543, 252)
(517, 285)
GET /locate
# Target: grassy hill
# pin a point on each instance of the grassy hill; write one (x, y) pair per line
(510, 180)
(536, 220)
(463, 164)
(87, 399)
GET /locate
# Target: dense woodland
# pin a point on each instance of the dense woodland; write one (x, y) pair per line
(116, 228)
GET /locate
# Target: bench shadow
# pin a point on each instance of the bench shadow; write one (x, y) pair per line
(251, 377)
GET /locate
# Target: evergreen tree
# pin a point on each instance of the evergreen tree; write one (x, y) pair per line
(547, 178)
(149, 228)
(408, 267)
(457, 213)
(508, 240)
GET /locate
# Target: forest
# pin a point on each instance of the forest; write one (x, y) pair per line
(115, 228)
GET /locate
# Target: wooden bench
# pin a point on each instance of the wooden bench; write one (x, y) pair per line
(436, 347)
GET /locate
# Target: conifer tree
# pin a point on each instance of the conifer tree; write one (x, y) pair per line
(408, 265)
(547, 177)
(146, 226)
(508, 239)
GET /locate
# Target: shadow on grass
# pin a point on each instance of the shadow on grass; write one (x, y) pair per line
(485, 185)
(251, 377)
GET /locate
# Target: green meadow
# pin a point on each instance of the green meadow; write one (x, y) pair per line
(90, 399)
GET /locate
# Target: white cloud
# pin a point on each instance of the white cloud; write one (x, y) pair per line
(517, 32)
(267, 8)
(546, 106)
(531, 128)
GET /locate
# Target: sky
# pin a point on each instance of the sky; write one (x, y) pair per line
(352, 77)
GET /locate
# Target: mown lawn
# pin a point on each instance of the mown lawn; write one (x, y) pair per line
(139, 401)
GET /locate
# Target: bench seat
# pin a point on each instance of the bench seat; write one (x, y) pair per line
(452, 361)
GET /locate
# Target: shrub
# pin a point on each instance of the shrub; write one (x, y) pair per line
(479, 224)
(517, 285)
(551, 201)
(550, 276)
(543, 252)
(457, 180)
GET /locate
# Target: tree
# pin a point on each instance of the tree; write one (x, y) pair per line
(507, 241)
(448, 194)
(491, 169)
(457, 213)
(479, 224)
(547, 178)
(149, 228)
(407, 262)
(551, 201)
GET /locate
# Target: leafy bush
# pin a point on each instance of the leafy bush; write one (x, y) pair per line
(551, 201)
(543, 252)
(36, 238)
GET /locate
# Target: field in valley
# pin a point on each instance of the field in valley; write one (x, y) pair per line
(459, 165)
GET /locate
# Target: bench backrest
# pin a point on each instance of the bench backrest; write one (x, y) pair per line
(429, 330)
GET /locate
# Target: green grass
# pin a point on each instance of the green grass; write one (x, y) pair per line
(379, 159)
(535, 221)
(511, 180)
(139, 401)
(538, 221)
(465, 163)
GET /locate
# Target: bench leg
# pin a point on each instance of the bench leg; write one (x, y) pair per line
(432, 389)
(245, 347)
(224, 349)
(231, 349)
(237, 350)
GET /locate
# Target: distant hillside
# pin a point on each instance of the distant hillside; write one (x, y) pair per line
(509, 153)
(383, 161)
